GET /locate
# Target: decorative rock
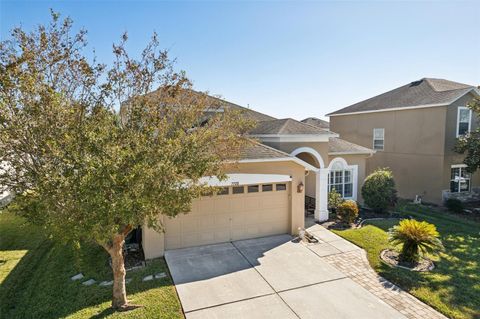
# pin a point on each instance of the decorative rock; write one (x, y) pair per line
(106, 283)
(148, 278)
(160, 275)
(89, 282)
(77, 277)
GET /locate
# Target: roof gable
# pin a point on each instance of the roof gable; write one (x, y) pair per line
(316, 122)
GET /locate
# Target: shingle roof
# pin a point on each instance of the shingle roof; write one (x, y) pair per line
(286, 126)
(249, 113)
(221, 103)
(426, 91)
(316, 122)
(337, 145)
(255, 150)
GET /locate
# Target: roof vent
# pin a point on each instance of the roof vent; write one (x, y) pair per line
(416, 83)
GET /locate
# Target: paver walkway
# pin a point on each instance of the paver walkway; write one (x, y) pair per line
(352, 261)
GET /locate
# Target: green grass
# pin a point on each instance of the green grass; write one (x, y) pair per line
(453, 287)
(35, 272)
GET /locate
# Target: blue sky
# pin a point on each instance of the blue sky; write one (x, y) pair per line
(286, 59)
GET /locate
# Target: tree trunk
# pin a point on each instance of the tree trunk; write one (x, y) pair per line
(119, 298)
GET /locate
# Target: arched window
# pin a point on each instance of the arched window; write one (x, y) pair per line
(341, 179)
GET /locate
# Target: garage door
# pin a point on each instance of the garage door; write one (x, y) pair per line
(239, 212)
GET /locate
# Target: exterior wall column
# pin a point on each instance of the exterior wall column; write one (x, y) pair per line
(321, 196)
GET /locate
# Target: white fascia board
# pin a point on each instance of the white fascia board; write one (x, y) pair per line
(392, 109)
(295, 137)
(472, 90)
(245, 179)
(307, 166)
(352, 153)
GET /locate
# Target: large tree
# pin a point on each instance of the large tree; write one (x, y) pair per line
(91, 150)
(470, 143)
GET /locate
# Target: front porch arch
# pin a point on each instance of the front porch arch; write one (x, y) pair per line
(312, 152)
(321, 183)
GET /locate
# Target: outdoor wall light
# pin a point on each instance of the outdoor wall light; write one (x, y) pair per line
(300, 187)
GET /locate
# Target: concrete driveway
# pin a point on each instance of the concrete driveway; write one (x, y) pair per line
(270, 277)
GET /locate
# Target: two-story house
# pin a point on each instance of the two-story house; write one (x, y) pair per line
(285, 164)
(413, 129)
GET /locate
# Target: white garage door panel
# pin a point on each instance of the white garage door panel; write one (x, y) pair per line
(224, 218)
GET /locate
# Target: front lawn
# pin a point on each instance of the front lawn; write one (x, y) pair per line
(453, 287)
(35, 272)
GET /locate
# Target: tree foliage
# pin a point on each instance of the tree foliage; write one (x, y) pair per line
(85, 170)
(470, 143)
(415, 237)
(378, 190)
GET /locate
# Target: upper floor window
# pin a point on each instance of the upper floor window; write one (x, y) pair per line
(464, 117)
(460, 179)
(378, 138)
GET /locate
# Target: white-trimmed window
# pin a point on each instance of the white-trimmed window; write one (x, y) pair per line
(341, 181)
(378, 139)
(341, 178)
(464, 118)
(460, 179)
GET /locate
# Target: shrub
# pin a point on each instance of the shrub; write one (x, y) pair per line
(334, 200)
(416, 237)
(347, 211)
(379, 191)
(454, 205)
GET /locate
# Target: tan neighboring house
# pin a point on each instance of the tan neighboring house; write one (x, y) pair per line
(413, 129)
(286, 162)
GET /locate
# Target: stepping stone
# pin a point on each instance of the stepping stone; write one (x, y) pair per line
(106, 283)
(160, 275)
(77, 277)
(148, 278)
(89, 282)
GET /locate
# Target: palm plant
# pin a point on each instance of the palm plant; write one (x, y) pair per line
(416, 237)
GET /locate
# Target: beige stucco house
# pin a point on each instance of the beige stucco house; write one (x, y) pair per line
(413, 129)
(286, 162)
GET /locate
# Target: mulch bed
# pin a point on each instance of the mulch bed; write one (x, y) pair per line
(391, 257)
(364, 215)
(337, 225)
(134, 260)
